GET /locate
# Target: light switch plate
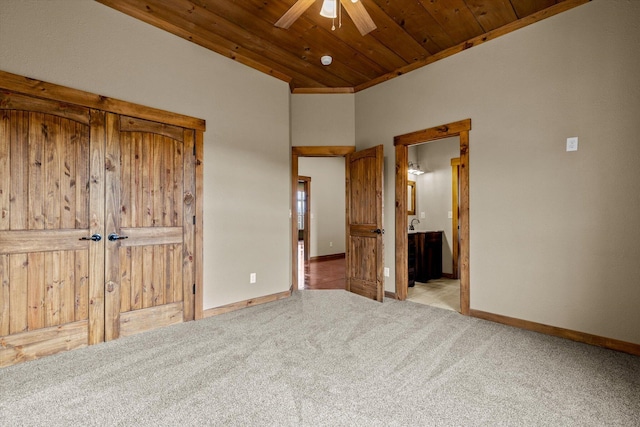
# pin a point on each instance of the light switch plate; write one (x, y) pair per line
(572, 143)
(422, 215)
(450, 214)
(386, 272)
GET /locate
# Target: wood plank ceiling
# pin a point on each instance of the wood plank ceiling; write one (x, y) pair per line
(410, 34)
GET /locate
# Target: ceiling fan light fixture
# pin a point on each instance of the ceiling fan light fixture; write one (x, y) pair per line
(329, 8)
(326, 60)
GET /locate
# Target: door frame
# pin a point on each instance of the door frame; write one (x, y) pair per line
(306, 235)
(402, 143)
(297, 152)
(455, 179)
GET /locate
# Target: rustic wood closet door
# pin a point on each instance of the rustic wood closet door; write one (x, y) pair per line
(150, 208)
(97, 226)
(51, 203)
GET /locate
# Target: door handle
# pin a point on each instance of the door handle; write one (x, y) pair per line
(114, 236)
(377, 231)
(96, 238)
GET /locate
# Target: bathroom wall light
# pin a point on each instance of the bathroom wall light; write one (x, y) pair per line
(415, 169)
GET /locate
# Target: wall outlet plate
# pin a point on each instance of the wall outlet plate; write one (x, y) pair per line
(572, 143)
(252, 278)
(386, 272)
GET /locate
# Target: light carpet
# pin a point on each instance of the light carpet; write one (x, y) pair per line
(328, 358)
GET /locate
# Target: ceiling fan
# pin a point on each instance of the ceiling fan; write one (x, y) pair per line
(354, 8)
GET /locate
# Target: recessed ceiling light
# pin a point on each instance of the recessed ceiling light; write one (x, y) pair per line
(326, 60)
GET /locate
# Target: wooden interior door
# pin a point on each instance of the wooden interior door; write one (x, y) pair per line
(150, 221)
(50, 297)
(364, 249)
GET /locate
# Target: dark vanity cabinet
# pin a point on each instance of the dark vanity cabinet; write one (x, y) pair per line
(411, 256)
(425, 256)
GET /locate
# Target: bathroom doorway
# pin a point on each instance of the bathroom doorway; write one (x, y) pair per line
(432, 240)
(402, 143)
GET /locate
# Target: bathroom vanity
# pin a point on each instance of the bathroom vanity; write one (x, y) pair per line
(425, 256)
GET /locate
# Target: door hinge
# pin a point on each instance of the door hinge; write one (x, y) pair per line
(194, 288)
(194, 220)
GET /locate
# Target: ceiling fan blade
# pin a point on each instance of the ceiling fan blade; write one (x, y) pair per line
(294, 13)
(359, 15)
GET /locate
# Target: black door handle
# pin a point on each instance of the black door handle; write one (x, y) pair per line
(113, 237)
(377, 231)
(96, 238)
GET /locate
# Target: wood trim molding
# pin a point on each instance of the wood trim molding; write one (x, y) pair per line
(463, 222)
(246, 303)
(327, 257)
(322, 90)
(433, 134)
(455, 208)
(55, 92)
(306, 180)
(294, 221)
(402, 142)
(323, 151)
(402, 240)
(199, 229)
(610, 343)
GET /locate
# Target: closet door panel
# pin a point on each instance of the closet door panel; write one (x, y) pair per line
(44, 212)
(145, 265)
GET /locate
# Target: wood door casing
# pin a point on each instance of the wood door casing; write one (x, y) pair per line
(47, 292)
(150, 201)
(402, 142)
(364, 217)
(296, 153)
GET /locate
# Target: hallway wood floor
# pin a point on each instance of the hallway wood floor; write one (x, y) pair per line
(320, 274)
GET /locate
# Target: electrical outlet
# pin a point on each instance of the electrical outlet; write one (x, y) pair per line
(422, 215)
(572, 144)
(252, 278)
(386, 272)
(450, 214)
(330, 244)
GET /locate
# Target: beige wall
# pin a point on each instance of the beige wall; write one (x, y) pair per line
(88, 46)
(553, 238)
(322, 119)
(434, 194)
(327, 203)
